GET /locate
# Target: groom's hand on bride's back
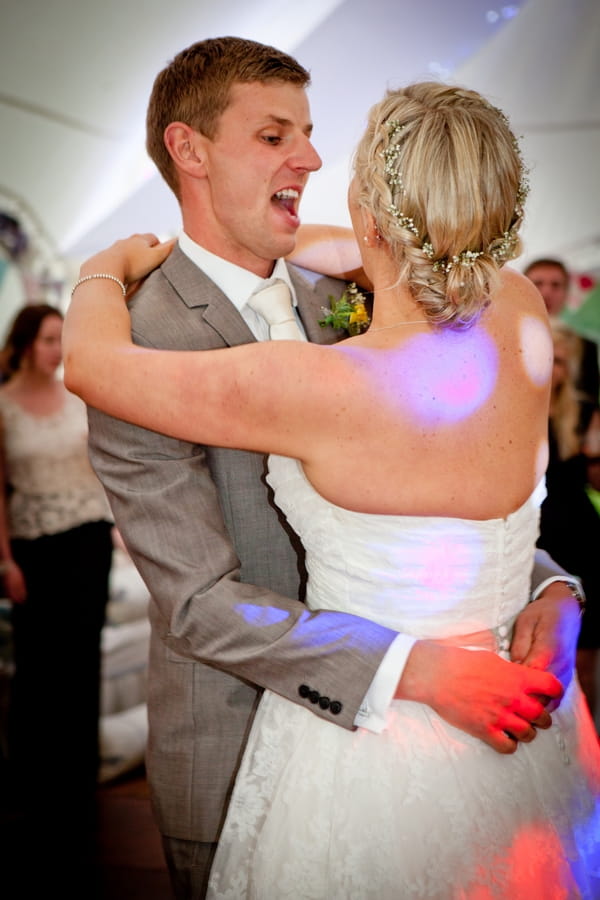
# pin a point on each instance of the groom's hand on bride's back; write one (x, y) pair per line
(546, 633)
(498, 702)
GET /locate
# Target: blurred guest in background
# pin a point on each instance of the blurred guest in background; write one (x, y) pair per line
(55, 551)
(570, 523)
(591, 451)
(551, 277)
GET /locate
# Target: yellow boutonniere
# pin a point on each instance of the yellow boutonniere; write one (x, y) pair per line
(349, 312)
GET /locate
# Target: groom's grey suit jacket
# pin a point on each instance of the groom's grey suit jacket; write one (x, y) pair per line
(224, 571)
(213, 550)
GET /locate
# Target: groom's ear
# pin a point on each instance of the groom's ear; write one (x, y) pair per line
(186, 148)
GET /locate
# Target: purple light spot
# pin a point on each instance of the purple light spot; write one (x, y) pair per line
(452, 566)
(446, 376)
(448, 566)
(261, 616)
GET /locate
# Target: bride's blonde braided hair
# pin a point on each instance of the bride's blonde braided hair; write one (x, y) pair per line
(441, 172)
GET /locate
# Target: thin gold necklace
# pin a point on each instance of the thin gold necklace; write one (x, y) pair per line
(398, 325)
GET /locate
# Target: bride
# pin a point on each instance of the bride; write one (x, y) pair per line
(410, 460)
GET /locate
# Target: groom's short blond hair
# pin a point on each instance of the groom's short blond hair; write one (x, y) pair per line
(195, 88)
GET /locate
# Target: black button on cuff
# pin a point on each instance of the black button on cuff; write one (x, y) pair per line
(334, 706)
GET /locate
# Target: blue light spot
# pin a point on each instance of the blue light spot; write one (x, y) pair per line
(261, 616)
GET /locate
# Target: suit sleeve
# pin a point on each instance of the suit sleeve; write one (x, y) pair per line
(544, 567)
(167, 509)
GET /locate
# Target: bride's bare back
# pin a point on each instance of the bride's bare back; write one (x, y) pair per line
(441, 422)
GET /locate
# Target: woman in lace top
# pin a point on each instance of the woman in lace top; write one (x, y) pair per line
(56, 551)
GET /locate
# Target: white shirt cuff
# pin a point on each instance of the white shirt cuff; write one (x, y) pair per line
(373, 709)
(568, 579)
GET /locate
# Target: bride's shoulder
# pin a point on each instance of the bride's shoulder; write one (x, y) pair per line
(519, 322)
(521, 290)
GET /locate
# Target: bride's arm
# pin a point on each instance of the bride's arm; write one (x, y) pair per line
(330, 250)
(229, 397)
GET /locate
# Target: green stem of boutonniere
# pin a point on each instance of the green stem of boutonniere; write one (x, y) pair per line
(348, 313)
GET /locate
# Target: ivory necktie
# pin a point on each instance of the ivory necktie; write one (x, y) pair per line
(274, 304)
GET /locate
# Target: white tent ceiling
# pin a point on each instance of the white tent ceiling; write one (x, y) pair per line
(75, 77)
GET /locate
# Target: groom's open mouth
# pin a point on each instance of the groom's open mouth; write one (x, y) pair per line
(287, 200)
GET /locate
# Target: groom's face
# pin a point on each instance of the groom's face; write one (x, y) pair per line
(257, 167)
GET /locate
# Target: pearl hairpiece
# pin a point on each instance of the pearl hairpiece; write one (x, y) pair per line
(500, 249)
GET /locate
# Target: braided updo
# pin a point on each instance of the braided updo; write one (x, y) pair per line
(441, 172)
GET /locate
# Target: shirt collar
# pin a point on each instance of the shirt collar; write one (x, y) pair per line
(237, 283)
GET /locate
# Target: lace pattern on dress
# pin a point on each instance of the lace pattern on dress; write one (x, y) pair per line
(421, 811)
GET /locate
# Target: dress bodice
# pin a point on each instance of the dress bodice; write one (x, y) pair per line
(426, 576)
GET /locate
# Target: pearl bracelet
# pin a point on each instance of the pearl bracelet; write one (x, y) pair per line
(100, 275)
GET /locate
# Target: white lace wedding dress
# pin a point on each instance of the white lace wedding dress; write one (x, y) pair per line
(421, 810)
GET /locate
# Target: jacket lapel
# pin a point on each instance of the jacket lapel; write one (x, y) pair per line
(198, 292)
(311, 301)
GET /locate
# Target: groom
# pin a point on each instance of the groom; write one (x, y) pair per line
(229, 128)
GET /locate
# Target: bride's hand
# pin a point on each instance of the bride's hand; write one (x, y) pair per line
(129, 259)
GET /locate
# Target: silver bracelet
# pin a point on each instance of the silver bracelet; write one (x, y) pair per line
(100, 275)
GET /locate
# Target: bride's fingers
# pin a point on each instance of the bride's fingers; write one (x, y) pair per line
(168, 245)
(130, 259)
(150, 238)
(144, 237)
(153, 241)
(141, 254)
(160, 251)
